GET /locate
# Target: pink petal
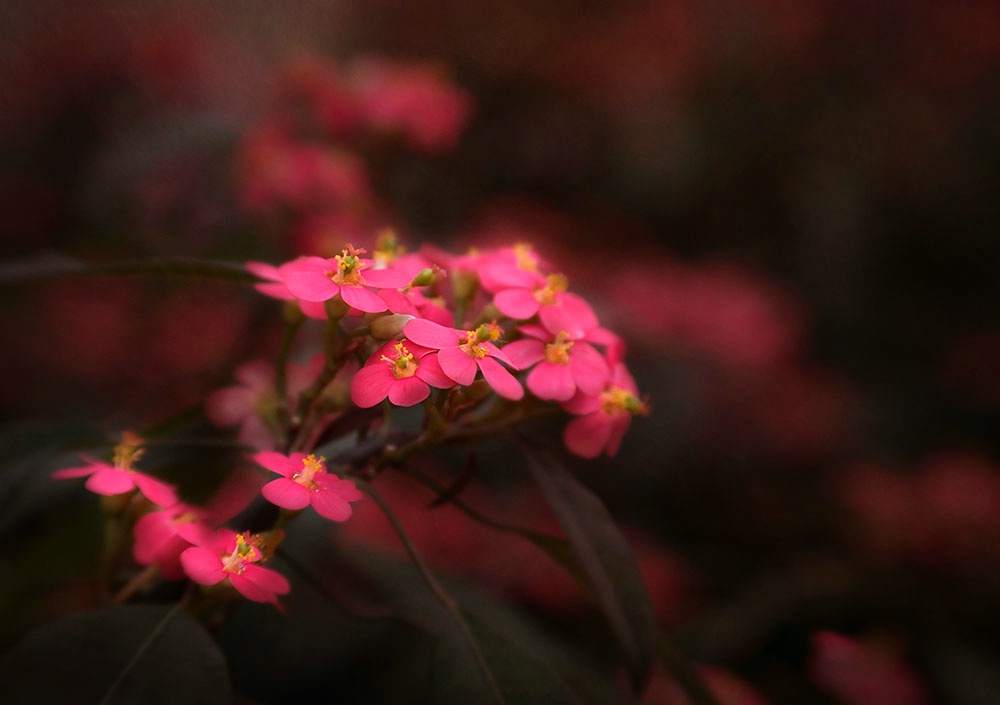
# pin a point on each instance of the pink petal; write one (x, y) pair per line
(157, 491)
(153, 533)
(516, 303)
(203, 566)
(229, 406)
(275, 291)
(588, 435)
(588, 367)
(249, 589)
(498, 354)
(286, 493)
(618, 428)
(398, 302)
(267, 579)
(502, 381)
(552, 382)
(330, 505)
(363, 299)
(371, 384)
(388, 278)
(572, 314)
(430, 334)
(583, 403)
(429, 370)
(457, 364)
(306, 278)
(345, 489)
(276, 462)
(110, 481)
(408, 391)
(524, 353)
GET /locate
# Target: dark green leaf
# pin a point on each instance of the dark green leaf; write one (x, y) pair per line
(50, 265)
(116, 656)
(605, 559)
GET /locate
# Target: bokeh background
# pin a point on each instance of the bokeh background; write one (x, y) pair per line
(788, 209)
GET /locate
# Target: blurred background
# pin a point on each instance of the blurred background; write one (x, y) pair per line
(788, 209)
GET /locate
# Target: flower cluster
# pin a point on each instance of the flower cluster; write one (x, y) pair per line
(484, 341)
(502, 316)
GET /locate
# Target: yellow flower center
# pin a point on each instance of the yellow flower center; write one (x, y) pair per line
(526, 257)
(471, 345)
(128, 451)
(387, 248)
(615, 400)
(403, 364)
(554, 284)
(311, 466)
(246, 551)
(557, 351)
(349, 266)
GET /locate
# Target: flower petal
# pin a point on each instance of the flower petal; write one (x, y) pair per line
(552, 382)
(408, 391)
(110, 481)
(516, 303)
(363, 299)
(286, 493)
(249, 589)
(156, 491)
(371, 384)
(306, 279)
(82, 471)
(387, 278)
(276, 462)
(430, 334)
(502, 381)
(203, 566)
(429, 370)
(267, 579)
(345, 489)
(588, 367)
(330, 505)
(524, 353)
(588, 435)
(458, 365)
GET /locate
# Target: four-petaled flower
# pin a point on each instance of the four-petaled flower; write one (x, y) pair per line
(233, 556)
(561, 366)
(304, 480)
(119, 476)
(462, 352)
(602, 420)
(558, 309)
(348, 274)
(402, 371)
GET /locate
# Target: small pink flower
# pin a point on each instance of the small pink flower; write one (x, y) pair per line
(119, 477)
(274, 286)
(161, 537)
(304, 480)
(561, 366)
(401, 371)
(511, 267)
(462, 353)
(347, 274)
(557, 309)
(233, 556)
(602, 420)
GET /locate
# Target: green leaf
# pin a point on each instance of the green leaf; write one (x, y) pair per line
(605, 559)
(152, 655)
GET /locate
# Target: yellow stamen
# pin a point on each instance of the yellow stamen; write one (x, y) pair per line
(615, 400)
(554, 284)
(526, 257)
(557, 351)
(403, 364)
(128, 451)
(349, 266)
(311, 466)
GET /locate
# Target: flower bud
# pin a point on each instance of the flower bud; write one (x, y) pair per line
(425, 277)
(464, 284)
(388, 326)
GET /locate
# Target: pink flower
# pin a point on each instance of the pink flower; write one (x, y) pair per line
(557, 309)
(858, 674)
(161, 537)
(304, 480)
(412, 100)
(561, 366)
(511, 267)
(602, 420)
(119, 477)
(347, 274)
(462, 353)
(274, 286)
(402, 372)
(233, 556)
(252, 404)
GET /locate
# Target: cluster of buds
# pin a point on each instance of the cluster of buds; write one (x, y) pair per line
(484, 341)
